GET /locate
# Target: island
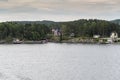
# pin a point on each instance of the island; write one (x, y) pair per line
(78, 31)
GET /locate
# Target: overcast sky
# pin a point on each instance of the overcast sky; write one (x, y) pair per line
(58, 10)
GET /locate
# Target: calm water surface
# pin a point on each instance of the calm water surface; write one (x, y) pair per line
(60, 62)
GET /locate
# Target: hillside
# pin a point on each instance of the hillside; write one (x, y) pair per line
(90, 27)
(37, 30)
(117, 21)
(46, 22)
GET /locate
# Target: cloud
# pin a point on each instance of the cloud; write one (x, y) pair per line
(83, 8)
(4, 0)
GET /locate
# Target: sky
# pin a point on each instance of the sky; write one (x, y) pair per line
(58, 10)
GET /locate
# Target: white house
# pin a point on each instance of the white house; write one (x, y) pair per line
(56, 32)
(114, 36)
(96, 36)
(72, 34)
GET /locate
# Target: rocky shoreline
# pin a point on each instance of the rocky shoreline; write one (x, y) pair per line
(71, 40)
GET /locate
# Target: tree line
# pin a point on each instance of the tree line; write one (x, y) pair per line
(23, 31)
(88, 28)
(34, 31)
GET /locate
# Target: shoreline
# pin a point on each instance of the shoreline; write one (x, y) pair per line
(69, 41)
(40, 42)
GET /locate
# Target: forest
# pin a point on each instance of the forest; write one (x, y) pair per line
(36, 31)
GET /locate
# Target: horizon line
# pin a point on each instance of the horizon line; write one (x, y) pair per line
(58, 21)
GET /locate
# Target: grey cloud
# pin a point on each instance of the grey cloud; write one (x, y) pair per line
(65, 5)
(62, 7)
(23, 9)
(4, 0)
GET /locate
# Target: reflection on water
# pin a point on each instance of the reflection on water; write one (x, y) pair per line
(59, 62)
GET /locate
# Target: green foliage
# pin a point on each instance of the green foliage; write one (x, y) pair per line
(9, 39)
(117, 21)
(37, 31)
(23, 31)
(88, 28)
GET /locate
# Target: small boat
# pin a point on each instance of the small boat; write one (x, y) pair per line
(17, 41)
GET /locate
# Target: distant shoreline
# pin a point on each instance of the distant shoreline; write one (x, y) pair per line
(44, 42)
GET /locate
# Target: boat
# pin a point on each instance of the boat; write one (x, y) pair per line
(17, 41)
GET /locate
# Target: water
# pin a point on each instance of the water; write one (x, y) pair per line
(59, 62)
